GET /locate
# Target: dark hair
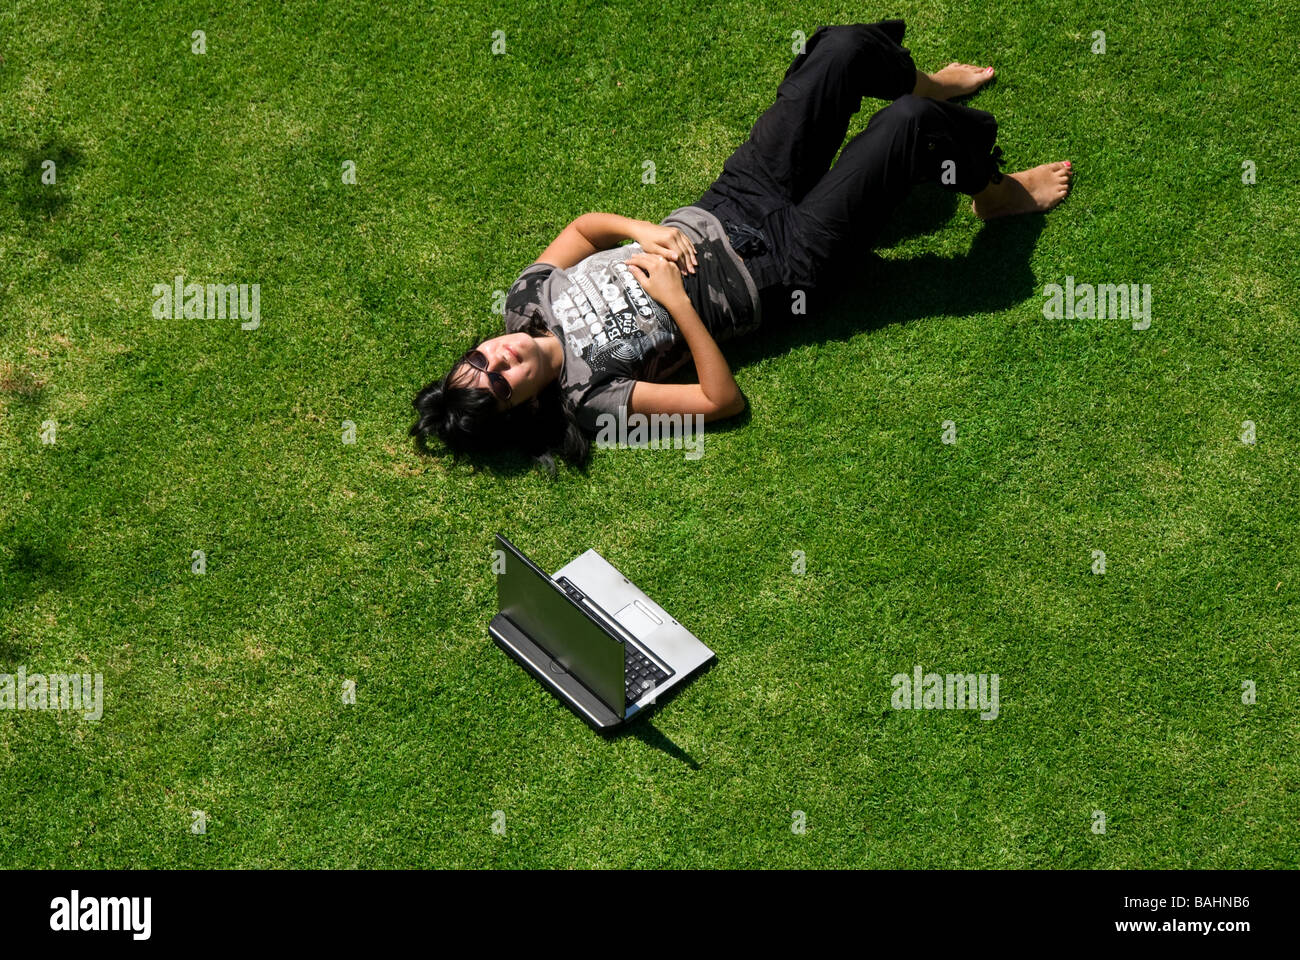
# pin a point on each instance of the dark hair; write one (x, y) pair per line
(467, 420)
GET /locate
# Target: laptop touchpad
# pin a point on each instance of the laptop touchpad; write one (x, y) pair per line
(637, 620)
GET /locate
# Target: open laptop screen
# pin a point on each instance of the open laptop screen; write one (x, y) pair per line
(536, 604)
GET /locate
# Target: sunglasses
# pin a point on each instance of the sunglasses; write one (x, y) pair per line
(497, 382)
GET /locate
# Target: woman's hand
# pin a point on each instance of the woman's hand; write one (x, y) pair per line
(659, 278)
(668, 242)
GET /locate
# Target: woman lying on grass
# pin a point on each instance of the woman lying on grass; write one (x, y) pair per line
(592, 327)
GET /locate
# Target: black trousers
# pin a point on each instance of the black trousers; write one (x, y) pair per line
(800, 223)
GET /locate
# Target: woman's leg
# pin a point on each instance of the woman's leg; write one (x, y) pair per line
(791, 146)
(913, 140)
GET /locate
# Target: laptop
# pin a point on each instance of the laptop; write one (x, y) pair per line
(591, 636)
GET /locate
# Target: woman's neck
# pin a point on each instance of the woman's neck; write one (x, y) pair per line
(553, 349)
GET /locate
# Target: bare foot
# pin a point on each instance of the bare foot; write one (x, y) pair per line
(954, 80)
(1030, 191)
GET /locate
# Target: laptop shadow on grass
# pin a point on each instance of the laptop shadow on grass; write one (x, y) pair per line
(994, 275)
(640, 727)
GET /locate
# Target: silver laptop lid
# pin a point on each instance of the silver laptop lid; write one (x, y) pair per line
(537, 605)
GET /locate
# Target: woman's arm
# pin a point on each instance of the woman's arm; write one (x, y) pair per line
(716, 396)
(588, 234)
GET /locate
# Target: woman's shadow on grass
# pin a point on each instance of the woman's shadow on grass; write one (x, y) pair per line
(993, 275)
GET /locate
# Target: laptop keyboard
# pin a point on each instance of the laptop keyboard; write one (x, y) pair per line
(641, 674)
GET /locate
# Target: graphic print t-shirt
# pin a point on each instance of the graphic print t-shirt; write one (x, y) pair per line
(613, 332)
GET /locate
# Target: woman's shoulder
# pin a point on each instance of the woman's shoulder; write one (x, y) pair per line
(525, 296)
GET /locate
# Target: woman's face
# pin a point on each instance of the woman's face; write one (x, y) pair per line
(516, 356)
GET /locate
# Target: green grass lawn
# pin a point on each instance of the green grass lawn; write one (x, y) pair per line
(328, 561)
